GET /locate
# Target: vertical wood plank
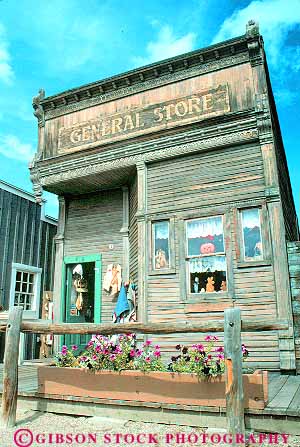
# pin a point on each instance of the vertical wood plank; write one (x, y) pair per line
(125, 232)
(233, 373)
(10, 368)
(142, 252)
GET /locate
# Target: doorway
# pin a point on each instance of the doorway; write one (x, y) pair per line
(82, 295)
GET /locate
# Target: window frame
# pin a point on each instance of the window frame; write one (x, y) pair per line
(172, 268)
(185, 280)
(265, 238)
(32, 314)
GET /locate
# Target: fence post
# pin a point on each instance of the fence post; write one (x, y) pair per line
(234, 376)
(10, 367)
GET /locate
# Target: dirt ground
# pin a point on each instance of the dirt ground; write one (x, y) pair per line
(36, 428)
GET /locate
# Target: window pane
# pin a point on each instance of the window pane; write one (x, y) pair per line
(19, 275)
(161, 246)
(252, 234)
(207, 274)
(205, 236)
(25, 276)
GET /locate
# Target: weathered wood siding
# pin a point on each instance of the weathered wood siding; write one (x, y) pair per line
(133, 232)
(93, 223)
(204, 182)
(24, 239)
(238, 79)
(294, 268)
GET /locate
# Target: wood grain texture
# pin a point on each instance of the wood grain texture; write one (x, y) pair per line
(10, 367)
(233, 373)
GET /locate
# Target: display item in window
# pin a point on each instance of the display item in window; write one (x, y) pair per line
(207, 248)
(196, 285)
(210, 284)
(160, 259)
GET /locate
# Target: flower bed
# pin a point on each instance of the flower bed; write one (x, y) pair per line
(114, 368)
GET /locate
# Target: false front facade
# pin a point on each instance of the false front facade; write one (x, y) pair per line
(173, 178)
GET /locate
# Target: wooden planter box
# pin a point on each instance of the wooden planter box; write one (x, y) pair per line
(162, 387)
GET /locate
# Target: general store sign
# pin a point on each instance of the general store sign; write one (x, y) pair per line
(144, 119)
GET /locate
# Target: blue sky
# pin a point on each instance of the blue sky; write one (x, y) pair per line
(57, 45)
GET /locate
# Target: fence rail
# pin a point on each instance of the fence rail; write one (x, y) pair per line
(231, 326)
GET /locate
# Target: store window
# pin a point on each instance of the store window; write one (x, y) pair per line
(205, 256)
(252, 245)
(161, 245)
(25, 289)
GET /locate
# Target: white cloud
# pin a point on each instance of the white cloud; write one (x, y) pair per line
(276, 19)
(12, 147)
(6, 71)
(166, 45)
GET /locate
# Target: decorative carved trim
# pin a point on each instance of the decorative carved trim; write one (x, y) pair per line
(263, 117)
(38, 110)
(36, 184)
(65, 174)
(146, 85)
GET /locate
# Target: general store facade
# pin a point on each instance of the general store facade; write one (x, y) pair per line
(174, 177)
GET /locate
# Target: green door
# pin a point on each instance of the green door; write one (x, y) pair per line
(82, 294)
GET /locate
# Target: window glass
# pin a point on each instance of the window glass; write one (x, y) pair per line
(24, 292)
(206, 260)
(161, 245)
(251, 228)
(205, 236)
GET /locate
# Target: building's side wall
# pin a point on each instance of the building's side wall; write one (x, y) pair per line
(203, 185)
(93, 224)
(294, 268)
(24, 239)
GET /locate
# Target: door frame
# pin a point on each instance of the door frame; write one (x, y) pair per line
(97, 258)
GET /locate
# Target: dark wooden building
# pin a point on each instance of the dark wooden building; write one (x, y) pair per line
(26, 257)
(174, 176)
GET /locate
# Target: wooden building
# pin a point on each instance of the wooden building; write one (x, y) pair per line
(26, 257)
(175, 174)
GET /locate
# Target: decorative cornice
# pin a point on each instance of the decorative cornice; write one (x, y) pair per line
(141, 86)
(49, 178)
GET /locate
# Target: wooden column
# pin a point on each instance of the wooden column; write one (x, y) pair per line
(233, 374)
(10, 367)
(59, 257)
(142, 249)
(282, 283)
(125, 233)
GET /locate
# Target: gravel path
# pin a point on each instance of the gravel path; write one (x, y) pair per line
(47, 429)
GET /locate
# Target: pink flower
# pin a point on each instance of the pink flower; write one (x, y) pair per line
(219, 349)
(94, 357)
(64, 347)
(105, 351)
(211, 338)
(147, 359)
(132, 353)
(112, 357)
(98, 348)
(220, 356)
(83, 358)
(199, 348)
(157, 347)
(90, 343)
(138, 352)
(147, 343)
(74, 348)
(157, 353)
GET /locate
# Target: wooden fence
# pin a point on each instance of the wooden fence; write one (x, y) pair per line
(232, 327)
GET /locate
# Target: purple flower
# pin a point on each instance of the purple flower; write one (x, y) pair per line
(220, 356)
(74, 348)
(63, 353)
(138, 352)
